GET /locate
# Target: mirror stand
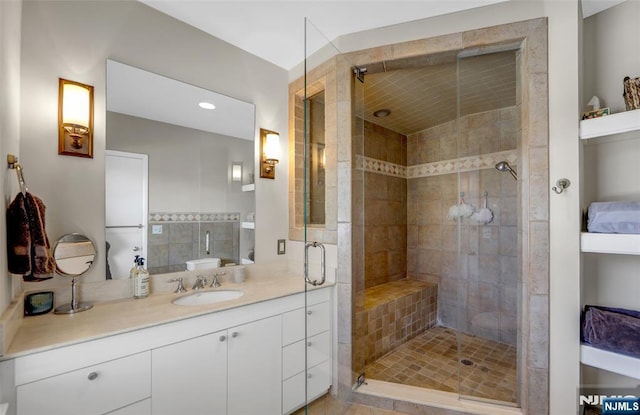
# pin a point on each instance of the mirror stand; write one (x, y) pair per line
(74, 255)
(75, 306)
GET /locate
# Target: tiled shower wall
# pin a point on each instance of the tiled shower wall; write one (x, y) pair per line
(385, 208)
(408, 233)
(181, 241)
(483, 278)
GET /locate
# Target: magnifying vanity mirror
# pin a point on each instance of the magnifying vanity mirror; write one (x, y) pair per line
(179, 166)
(74, 255)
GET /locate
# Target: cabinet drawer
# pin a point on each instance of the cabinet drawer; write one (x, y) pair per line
(318, 320)
(318, 349)
(318, 381)
(92, 390)
(138, 408)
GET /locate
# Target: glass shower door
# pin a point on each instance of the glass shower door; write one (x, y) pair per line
(488, 260)
(317, 170)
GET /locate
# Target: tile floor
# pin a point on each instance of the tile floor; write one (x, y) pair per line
(328, 405)
(430, 361)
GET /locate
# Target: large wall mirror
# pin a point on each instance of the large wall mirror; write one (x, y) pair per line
(179, 174)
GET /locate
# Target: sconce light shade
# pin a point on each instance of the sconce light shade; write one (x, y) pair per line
(75, 119)
(270, 153)
(236, 171)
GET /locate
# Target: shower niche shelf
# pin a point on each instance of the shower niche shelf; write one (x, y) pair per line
(612, 362)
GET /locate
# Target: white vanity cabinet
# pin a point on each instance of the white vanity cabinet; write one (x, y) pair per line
(315, 349)
(225, 362)
(234, 371)
(95, 389)
(190, 377)
(255, 359)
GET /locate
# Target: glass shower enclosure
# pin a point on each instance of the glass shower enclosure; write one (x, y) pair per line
(436, 215)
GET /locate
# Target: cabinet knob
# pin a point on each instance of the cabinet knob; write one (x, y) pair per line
(92, 376)
(309, 312)
(223, 338)
(234, 334)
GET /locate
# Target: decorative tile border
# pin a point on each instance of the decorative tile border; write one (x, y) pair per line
(463, 164)
(379, 166)
(194, 217)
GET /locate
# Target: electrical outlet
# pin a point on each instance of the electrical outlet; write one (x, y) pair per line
(156, 229)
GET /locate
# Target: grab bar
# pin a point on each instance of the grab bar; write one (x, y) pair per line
(323, 271)
(124, 226)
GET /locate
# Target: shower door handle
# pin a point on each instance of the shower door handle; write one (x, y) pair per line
(323, 271)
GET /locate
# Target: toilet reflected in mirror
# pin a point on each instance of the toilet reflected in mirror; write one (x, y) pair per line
(74, 255)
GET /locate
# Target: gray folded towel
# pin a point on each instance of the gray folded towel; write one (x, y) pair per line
(614, 217)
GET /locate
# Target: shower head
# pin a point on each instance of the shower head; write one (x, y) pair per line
(504, 166)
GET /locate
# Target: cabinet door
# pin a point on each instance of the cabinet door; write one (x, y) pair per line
(190, 377)
(255, 368)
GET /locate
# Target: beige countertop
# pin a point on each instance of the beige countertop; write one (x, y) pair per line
(48, 331)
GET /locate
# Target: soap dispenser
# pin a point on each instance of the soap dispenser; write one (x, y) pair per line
(134, 269)
(141, 280)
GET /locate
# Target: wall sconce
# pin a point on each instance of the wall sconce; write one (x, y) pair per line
(236, 171)
(270, 151)
(75, 119)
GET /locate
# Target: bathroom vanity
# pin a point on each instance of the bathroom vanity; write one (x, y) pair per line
(241, 356)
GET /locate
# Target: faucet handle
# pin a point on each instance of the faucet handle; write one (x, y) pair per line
(215, 283)
(180, 288)
(199, 283)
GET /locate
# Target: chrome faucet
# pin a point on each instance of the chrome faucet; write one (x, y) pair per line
(200, 282)
(215, 283)
(180, 288)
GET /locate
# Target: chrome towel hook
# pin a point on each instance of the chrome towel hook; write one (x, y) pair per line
(561, 185)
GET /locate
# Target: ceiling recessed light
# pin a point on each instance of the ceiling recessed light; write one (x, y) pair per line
(382, 113)
(207, 105)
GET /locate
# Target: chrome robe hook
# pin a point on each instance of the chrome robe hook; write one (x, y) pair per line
(561, 185)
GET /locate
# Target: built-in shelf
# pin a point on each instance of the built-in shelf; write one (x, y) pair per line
(249, 187)
(248, 225)
(622, 122)
(613, 362)
(610, 243)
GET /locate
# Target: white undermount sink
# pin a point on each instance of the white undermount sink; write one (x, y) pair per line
(208, 297)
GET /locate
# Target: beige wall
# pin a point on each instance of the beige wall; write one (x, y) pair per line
(10, 13)
(72, 40)
(611, 42)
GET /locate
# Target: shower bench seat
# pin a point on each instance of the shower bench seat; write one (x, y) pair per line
(396, 312)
